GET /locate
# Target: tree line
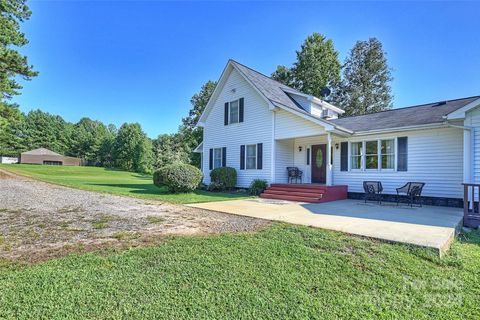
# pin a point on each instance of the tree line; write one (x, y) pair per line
(360, 85)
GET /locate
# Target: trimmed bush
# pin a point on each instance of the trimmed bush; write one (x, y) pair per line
(178, 177)
(224, 178)
(257, 186)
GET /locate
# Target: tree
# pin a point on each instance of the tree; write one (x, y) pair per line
(365, 87)
(316, 68)
(43, 130)
(132, 149)
(190, 136)
(12, 63)
(11, 126)
(88, 140)
(167, 149)
(285, 76)
(317, 65)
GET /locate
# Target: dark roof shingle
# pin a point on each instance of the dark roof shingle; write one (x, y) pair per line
(424, 114)
(402, 117)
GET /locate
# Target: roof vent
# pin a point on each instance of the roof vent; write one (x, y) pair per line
(441, 103)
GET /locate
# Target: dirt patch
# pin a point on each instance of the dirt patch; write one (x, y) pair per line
(39, 221)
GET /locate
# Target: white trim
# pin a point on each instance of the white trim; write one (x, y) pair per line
(329, 178)
(326, 125)
(315, 100)
(460, 113)
(407, 128)
(199, 148)
(273, 152)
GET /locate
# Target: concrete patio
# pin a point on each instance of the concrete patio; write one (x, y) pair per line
(431, 227)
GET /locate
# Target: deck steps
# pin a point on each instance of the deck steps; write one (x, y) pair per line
(305, 192)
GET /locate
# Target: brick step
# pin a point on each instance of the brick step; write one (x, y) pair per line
(298, 186)
(306, 190)
(290, 198)
(295, 193)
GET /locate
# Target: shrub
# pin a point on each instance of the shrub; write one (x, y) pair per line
(157, 178)
(178, 177)
(224, 178)
(257, 186)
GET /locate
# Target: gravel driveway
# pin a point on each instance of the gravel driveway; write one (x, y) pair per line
(39, 221)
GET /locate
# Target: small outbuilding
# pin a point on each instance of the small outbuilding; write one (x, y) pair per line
(47, 157)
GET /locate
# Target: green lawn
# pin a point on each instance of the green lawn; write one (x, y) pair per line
(112, 181)
(281, 272)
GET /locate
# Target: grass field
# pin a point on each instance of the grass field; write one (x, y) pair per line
(114, 182)
(281, 272)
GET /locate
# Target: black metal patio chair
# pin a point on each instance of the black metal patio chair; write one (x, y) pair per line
(412, 191)
(294, 173)
(373, 191)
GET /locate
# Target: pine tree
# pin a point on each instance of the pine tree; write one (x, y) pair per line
(365, 87)
(12, 63)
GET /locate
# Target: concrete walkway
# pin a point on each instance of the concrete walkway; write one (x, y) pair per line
(432, 227)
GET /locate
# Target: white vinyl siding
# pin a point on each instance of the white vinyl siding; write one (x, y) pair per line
(472, 119)
(288, 125)
(256, 128)
(284, 150)
(435, 156)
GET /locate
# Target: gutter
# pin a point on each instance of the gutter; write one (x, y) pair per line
(386, 130)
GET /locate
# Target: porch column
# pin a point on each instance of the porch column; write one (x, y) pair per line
(329, 159)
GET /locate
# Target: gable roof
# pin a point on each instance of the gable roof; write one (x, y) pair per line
(42, 152)
(279, 95)
(274, 91)
(419, 115)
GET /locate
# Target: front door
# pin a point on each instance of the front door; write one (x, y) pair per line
(319, 163)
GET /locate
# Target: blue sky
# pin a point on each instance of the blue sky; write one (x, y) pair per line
(130, 61)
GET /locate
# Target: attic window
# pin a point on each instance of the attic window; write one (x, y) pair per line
(234, 112)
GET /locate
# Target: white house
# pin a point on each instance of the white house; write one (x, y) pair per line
(260, 127)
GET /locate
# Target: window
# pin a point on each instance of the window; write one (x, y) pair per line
(388, 154)
(356, 155)
(371, 155)
(252, 156)
(234, 112)
(217, 158)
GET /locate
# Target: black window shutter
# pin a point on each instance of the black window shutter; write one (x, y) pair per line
(308, 156)
(259, 155)
(210, 160)
(242, 157)
(225, 116)
(402, 154)
(240, 111)
(224, 156)
(344, 156)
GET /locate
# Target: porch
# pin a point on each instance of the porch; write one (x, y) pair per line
(312, 155)
(430, 227)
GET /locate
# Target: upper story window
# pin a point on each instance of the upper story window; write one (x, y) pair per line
(234, 112)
